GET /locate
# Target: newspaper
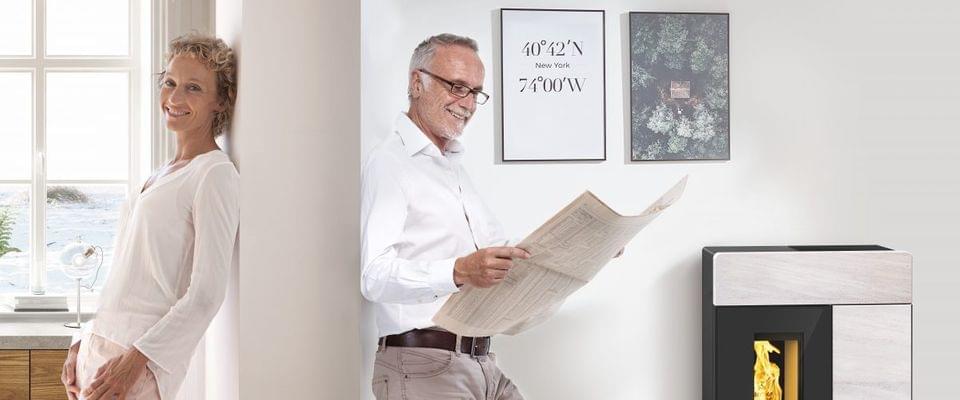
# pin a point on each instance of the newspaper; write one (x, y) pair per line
(566, 252)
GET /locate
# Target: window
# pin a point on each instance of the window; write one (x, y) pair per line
(72, 142)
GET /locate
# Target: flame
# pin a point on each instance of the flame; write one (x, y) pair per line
(766, 375)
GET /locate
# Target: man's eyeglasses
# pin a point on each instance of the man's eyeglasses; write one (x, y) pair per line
(459, 90)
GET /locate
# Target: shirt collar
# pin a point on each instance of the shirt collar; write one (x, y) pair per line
(415, 141)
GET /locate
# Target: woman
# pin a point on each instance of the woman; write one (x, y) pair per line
(174, 246)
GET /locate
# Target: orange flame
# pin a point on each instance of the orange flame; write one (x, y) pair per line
(766, 375)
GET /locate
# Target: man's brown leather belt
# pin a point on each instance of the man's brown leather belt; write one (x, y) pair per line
(475, 346)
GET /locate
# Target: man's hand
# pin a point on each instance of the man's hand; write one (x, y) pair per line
(117, 376)
(69, 373)
(486, 267)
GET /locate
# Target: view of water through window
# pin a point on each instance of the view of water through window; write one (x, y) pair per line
(88, 211)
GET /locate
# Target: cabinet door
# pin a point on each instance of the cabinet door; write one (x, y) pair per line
(14, 374)
(872, 352)
(45, 367)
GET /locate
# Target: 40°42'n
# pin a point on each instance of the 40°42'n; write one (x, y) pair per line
(555, 49)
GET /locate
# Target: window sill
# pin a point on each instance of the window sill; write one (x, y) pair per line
(87, 312)
(8, 315)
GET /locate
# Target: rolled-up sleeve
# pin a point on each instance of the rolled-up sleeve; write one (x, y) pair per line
(216, 218)
(386, 277)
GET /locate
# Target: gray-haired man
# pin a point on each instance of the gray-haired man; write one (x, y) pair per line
(426, 232)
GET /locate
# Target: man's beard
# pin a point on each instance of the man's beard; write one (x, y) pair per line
(452, 133)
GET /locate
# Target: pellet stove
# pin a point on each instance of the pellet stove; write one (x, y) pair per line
(807, 323)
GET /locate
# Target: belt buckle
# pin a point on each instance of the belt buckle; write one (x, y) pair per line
(473, 347)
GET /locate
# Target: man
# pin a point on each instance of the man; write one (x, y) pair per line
(426, 233)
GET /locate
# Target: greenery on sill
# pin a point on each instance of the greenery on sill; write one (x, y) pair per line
(6, 231)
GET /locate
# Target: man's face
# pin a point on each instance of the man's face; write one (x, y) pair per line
(443, 113)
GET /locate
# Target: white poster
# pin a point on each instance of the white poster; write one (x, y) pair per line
(553, 85)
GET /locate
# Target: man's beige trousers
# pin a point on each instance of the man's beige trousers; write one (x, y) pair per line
(415, 373)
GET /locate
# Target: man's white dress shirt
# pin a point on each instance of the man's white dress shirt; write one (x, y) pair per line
(172, 261)
(419, 213)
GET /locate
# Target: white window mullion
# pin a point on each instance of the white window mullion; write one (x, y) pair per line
(86, 62)
(55, 182)
(133, 144)
(157, 50)
(38, 192)
(170, 21)
(18, 63)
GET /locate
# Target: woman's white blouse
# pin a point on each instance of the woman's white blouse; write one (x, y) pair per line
(171, 265)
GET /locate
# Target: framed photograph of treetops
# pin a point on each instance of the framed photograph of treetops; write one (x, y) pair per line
(679, 86)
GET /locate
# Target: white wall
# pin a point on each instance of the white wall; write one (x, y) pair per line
(844, 130)
(222, 341)
(297, 142)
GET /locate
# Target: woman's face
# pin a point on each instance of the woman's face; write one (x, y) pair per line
(188, 96)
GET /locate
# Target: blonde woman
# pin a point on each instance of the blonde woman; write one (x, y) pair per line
(174, 246)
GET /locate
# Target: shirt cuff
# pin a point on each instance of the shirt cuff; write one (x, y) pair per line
(151, 356)
(441, 278)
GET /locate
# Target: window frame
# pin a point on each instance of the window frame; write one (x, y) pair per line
(39, 64)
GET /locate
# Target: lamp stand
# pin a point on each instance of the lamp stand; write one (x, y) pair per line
(76, 325)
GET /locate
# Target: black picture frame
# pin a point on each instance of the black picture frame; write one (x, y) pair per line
(503, 123)
(675, 136)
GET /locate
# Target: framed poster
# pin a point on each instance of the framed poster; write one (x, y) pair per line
(553, 85)
(679, 86)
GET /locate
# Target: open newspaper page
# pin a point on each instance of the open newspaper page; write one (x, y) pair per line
(566, 252)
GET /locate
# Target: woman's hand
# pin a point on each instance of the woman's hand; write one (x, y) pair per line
(117, 376)
(69, 373)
